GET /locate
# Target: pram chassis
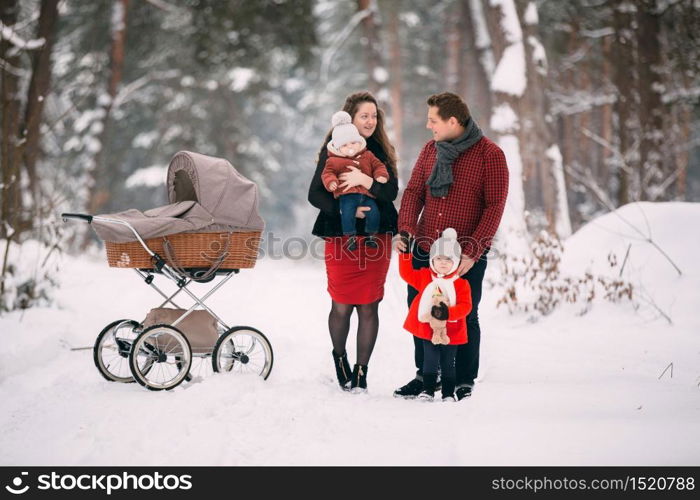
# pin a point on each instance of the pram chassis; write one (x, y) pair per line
(238, 348)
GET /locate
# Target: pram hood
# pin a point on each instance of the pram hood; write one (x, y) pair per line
(206, 194)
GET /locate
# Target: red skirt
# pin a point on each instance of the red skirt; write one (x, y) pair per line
(357, 277)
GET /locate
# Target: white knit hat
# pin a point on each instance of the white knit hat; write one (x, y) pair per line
(448, 246)
(344, 131)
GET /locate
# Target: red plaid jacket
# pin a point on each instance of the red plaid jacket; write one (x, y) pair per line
(473, 206)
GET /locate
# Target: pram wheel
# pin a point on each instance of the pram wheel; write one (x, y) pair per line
(243, 349)
(161, 357)
(112, 347)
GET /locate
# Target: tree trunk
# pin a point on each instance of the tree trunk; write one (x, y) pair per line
(477, 65)
(395, 77)
(681, 156)
(38, 90)
(651, 110)
(453, 49)
(100, 193)
(606, 115)
(9, 83)
(622, 63)
(542, 160)
(507, 122)
(373, 49)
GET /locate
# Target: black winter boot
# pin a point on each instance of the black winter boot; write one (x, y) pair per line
(411, 389)
(370, 242)
(464, 391)
(352, 243)
(429, 381)
(448, 389)
(342, 369)
(359, 377)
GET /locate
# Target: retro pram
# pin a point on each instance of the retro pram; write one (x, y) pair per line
(211, 229)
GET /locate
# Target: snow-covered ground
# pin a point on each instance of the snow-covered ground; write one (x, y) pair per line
(567, 390)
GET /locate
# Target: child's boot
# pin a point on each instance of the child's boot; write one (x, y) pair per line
(448, 389)
(429, 382)
(370, 241)
(352, 243)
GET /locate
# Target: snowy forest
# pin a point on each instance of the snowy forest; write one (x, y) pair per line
(595, 102)
(589, 326)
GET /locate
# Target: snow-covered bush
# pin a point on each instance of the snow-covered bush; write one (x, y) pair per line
(30, 274)
(535, 283)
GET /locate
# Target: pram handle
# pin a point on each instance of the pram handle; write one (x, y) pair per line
(85, 217)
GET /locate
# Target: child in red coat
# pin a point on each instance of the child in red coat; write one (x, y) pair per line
(438, 314)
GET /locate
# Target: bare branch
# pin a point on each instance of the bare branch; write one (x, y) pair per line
(651, 302)
(602, 142)
(616, 152)
(589, 182)
(624, 262)
(670, 365)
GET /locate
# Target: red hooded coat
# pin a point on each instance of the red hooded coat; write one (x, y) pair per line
(456, 321)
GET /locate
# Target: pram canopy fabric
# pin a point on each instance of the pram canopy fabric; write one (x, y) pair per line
(206, 194)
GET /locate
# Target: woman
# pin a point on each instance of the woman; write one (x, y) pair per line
(356, 279)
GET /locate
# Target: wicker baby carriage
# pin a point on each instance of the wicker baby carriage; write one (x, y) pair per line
(211, 229)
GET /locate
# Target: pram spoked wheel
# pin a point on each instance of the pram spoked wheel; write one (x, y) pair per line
(112, 347)
(243, 349)
(160, 358)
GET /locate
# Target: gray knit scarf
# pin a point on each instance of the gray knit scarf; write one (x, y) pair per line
(441, 178)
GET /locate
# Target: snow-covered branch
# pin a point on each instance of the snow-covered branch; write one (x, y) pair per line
(7, 33)
(580, 102)
(6, 66)
(165, 6)
(599, 33)
(340, 39)
(125, 93)
(684, 94)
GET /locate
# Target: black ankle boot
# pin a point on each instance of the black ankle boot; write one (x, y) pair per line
(342, 369)
(359, 377)
(352, 243)
(371, 242)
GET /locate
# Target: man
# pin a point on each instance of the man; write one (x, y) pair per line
(460, 180)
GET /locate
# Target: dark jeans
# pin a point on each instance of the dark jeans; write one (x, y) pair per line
(439, 356)
(467, 362)
(348, 207)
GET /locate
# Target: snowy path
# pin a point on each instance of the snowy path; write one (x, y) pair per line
(563, 391)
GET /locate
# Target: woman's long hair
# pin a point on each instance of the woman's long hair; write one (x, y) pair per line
(352, 103)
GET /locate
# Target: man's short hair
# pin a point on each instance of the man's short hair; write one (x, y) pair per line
(449, 104)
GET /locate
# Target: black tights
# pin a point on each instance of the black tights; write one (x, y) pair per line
(367, 328)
